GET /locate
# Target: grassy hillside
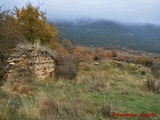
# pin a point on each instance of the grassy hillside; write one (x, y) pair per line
(88, 83)
(98, 90)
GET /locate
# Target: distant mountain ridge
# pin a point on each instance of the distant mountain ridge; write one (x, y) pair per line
(145, 37)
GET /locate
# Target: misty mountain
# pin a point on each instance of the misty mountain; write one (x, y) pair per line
(145, 37)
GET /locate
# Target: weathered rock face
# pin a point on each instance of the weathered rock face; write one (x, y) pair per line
(28, 61)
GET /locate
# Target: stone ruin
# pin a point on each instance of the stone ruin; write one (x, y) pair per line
(28, 62)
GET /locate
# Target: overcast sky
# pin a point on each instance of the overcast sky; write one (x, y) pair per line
(130, 11)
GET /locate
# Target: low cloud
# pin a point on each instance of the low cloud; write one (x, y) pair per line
(143, 11)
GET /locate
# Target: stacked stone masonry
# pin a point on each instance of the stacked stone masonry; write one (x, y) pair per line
(39, 62)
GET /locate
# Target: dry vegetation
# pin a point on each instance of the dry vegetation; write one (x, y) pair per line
(96, 92)
(89, 83)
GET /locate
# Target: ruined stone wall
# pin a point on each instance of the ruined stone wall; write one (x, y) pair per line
(28, 62)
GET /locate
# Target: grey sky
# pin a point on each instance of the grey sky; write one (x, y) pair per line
(144, 11)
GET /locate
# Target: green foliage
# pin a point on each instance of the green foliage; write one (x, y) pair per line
(108, 33)
(33, 25)
(27, 23)
(9, 37)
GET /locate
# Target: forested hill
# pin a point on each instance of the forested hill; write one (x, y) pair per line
(144, 37)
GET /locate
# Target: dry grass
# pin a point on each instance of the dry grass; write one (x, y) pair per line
(100, 81)
(97, 91)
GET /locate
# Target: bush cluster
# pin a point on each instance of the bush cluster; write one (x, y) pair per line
(66, 67)
(9, 37)
(125, 58)
(27, 24)
(144, 61)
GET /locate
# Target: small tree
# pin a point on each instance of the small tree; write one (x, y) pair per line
(33, 25)
(9, 37)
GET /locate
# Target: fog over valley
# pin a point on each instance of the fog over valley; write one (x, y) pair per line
(132, 11)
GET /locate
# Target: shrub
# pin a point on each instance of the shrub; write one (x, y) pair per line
(114, 53)
(2, 72)
(67, 44)
(106, 111)
(144, 61)
(150, 83)
(99, 54)
(125, 58)
(82, 54)
(109, 55)
(153, 84)
(87, 56)
(9, 37)
(66, 67)
(96, 58)
(32, 23)
(60, 49)
(155, 68)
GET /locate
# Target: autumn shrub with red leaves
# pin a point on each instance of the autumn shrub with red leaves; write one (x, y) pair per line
(61, 50)
(144, 61)
(100, 54)
(109, 55)
(82, 54)
(125, 58)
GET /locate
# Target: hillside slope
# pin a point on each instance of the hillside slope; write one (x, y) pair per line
(144, 37)
(97, 92)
